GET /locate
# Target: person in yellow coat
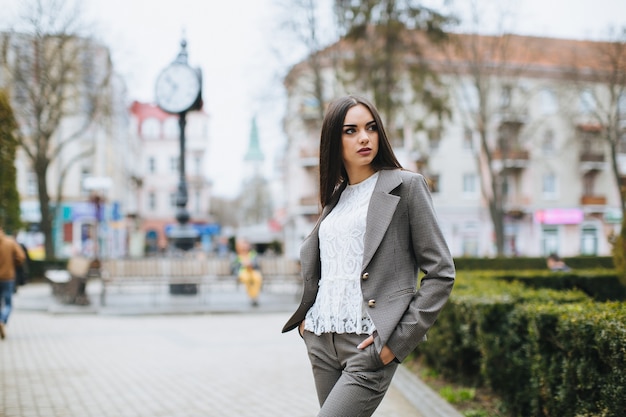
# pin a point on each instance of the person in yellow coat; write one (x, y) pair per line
(247, 270)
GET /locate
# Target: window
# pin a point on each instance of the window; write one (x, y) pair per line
(548, 101)
(196, 204)
(469, 239)
(550, 240)
(152, 201)
(31, 183)
(151, 128)
(469, 184)
(587, 103)
(621, 104)
(171, 130)
(469, 96)
(506, 187)
(588, 184)
(84, 174)
(589, 241)
(621, 145)
(505, 97)
(470, 246)
(198, 165)
(549, 186)
(434, 138)
(547, 146)
(468, 139)
(174, 164)
(151, 165)
(173, 200)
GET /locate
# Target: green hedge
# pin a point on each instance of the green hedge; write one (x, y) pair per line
(523, 263)
(542, 351)
(601, 285)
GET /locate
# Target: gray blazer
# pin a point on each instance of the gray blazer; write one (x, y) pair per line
(402, 237)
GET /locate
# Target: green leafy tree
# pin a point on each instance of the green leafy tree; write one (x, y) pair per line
(9, 197)
(389, 38)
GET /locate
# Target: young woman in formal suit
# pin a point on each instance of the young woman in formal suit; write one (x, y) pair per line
(361, 312)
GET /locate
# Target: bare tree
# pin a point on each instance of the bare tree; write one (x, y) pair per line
(602, 89)
(58, 78)
(304, 23)
(486, 68)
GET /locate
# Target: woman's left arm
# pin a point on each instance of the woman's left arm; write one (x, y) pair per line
(433, 258)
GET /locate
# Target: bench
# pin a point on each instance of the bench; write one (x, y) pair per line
(181, 275)
(188, 275)
(281, 274)
(68, 285)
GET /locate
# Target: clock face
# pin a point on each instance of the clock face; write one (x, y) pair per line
(177, 88)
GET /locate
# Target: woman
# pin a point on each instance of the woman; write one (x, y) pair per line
(247, 270)
(361, 313)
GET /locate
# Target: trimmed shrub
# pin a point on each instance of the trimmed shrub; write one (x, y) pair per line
(544, 352)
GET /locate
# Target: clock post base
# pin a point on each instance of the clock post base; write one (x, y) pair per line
(183, 237)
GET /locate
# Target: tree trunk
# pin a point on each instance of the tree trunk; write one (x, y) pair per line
(46, 211)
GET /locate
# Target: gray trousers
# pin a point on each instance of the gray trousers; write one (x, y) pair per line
(350, 382)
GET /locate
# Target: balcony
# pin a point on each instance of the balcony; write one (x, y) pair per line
(592, 200)
(510, 159)
(516, 206)
(591, 161)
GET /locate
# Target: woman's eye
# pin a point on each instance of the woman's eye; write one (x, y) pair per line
(349, 131)
(373, 128)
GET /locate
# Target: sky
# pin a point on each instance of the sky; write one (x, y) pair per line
(243, 56)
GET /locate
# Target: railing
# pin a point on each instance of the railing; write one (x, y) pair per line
(279, 273)
(593, 200)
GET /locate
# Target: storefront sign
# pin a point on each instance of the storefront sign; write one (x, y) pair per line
(559, 216)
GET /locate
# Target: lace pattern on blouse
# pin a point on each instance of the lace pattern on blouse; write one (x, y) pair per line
(339, 306)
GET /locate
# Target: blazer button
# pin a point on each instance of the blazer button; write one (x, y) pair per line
(365, 275)
(371, 303)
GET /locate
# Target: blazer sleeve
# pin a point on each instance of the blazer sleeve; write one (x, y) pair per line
(434, 259)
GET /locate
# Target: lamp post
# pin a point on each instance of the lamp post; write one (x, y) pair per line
(179, 90)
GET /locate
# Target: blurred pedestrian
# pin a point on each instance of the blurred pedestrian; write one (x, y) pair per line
(22, 272)
(361, 313)
(556, 264)
(247, 269)
(11, 255)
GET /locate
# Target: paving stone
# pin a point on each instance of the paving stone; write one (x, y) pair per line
(102, 364)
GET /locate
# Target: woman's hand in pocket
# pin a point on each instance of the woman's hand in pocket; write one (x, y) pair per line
(386, 355)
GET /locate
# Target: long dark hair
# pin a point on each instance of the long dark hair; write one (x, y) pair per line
(332, 172)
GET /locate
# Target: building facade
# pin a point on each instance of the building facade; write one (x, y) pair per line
(539, 104)
(158, 134)
(70, 107)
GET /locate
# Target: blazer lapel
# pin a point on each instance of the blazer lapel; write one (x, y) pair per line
(380, 212)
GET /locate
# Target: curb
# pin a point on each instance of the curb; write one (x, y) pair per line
(421, 396)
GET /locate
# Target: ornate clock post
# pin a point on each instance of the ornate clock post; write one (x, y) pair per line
(179, 90)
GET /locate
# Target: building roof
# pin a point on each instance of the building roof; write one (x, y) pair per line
(530, 54)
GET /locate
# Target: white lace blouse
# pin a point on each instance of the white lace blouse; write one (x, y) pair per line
(339, 306)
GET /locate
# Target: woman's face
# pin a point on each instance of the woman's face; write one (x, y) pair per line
(359, 141)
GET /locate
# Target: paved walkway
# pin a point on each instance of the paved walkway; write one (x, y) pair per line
(63, 361)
